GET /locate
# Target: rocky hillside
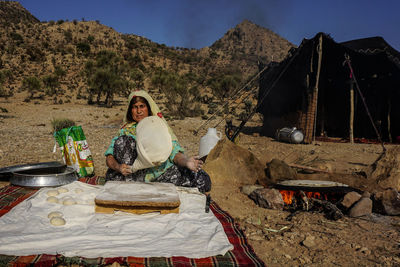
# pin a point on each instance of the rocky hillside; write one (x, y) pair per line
(59, 60)
(249, 43)
(13, 12)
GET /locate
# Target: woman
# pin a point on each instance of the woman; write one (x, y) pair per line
(121, 154)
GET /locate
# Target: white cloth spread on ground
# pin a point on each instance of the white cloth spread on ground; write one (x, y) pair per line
(26, 229)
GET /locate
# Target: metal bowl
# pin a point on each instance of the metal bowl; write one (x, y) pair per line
(44, 177)
(53, 166)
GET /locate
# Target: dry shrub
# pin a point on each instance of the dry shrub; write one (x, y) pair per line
(61, 123)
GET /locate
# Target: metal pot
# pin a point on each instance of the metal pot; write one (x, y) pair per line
(289, 135)
(44, 177)
(53, 166)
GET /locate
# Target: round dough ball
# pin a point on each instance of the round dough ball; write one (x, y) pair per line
(62, 190)
(69, 201)
(52, 193)
(54, 214)
(52, 199)
(78, 190)
(57, 221)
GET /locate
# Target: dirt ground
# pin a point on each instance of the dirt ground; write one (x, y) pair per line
(309, 239)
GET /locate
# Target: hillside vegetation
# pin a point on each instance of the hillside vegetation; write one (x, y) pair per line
(68, 60)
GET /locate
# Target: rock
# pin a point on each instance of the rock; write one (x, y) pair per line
(386, 170)
(228, 163)
(365, 251)
(350, 198)
(387, 202)
(366, 194)
(309, 242)
(268, 198)
(278, 170)
(361, 208)
(248, 189)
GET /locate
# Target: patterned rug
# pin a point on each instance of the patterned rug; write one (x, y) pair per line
(241, 255)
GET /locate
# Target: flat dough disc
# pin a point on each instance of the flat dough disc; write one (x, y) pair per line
(54, 214)
(57, 221)
(69, 201)
(62, 190)
(52, 193)
(52, 199)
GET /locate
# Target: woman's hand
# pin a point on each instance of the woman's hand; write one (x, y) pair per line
(124, 169)
(192, 163)
(121, 168)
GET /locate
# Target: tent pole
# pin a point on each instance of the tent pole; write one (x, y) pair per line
(388, 121)
(351, 131)
(352, 76)
(312, 114)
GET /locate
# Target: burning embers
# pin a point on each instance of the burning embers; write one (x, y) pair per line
(299, 200)
(331, 198)
(289, 196)
(304, 195)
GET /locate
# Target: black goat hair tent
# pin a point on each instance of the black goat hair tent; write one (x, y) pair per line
(313, 88)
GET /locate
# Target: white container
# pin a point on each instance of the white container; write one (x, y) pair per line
(208, 141)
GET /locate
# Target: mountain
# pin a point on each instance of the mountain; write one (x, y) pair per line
(248, 40)
(13, 13)
(57, 54)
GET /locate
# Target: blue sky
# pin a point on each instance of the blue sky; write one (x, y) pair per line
(199, 23)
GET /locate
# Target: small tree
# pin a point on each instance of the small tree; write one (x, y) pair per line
(222, 86)
(138, 78)
(59, 71)
(51, 83)
(4, 76)
(68, 36)
(32, 85)
(83, 48)
(90, 39)
(106, 76)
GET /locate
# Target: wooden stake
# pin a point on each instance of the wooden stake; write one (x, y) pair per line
(388, 121)
(351, 132)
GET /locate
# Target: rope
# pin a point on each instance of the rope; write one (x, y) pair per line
(265, 95)
(233, 97)
(353, 77)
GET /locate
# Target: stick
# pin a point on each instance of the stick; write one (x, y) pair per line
(308, 168)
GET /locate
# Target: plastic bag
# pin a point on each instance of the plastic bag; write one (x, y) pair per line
(75, 150)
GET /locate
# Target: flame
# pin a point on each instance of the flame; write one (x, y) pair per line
(289, 195)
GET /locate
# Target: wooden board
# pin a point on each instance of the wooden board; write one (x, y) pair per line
(136, 210)
(138, 198)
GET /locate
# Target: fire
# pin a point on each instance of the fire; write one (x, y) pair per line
(288, 195)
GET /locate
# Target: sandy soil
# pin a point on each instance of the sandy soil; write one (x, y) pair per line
(309, 239)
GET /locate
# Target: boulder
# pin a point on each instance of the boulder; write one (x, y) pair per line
(350, 198)
(248, 189)
(277, 170)
(268, 198)
(228, 163)
(387, 202)
(361, 208)
(386, 170)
